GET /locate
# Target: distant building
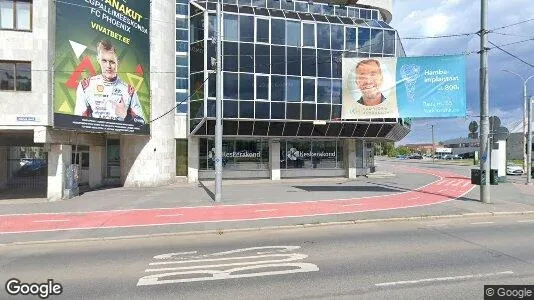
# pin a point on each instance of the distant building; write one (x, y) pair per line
(421, 148)
(461, 145)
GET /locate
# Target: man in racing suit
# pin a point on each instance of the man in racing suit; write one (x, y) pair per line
(106, 96)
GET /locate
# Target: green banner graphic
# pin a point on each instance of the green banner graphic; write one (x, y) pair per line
(102, 66)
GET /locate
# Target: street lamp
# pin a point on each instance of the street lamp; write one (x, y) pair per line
(526, 120)
(433, 144)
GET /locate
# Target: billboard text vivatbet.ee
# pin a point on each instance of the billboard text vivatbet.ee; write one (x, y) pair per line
(404, 87)
(102, 66)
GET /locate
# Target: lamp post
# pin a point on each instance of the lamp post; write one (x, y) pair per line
(433, 144)
(525, 117)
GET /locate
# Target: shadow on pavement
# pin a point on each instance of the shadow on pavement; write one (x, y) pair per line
(208, 191)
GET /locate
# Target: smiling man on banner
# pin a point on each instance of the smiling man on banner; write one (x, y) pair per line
(106, 96)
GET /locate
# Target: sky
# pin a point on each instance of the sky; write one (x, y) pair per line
(417, 18)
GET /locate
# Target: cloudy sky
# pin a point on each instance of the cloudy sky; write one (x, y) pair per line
(416, 18)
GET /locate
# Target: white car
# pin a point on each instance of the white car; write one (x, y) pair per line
(513, 169)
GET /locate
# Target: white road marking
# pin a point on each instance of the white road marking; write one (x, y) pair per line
(275, 264)
(173, 215)
(293, 256)
(227, 274)
(414, 198)
(289, 257)
(354, 204)
(437, 225)
(45, 221)
(481, 223)
(266, 210)
(526, 221)
(171, 255)
(437, 279)
(456, 183)
(466, 183)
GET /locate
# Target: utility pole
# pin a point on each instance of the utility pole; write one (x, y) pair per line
(433, 145)
(484, 106)
(525, 117)
(218, 110)
(529, 141)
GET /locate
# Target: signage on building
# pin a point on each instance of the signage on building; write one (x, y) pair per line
(102, 66)
(443, 150)
(235, 154)
(294, 154)
(404, 87)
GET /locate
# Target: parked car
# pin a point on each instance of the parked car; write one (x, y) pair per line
(513, 169)
(415, 156)
(32, 167)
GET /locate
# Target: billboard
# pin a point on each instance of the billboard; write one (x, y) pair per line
(404, 87)
(102, 66)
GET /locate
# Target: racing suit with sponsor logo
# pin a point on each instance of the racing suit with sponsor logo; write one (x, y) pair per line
(98, 98)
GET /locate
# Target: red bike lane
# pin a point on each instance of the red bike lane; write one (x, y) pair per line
(447, 186)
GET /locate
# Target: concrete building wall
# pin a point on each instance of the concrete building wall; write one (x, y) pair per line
(150, 161)
(36, 47)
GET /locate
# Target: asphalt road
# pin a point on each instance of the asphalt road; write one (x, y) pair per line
(440, 259)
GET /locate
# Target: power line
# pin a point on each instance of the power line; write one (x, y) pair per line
(438, 36)
(513, 24)
(511, 54)
(186, 98)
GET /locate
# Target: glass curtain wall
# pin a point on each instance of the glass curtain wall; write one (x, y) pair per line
(279, 64)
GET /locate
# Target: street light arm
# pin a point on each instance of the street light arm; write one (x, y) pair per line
(530, 77)
(518, 75)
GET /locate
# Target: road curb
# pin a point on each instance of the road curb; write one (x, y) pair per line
(276, 227)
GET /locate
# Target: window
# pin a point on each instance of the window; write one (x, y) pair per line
(15, 14)
(246, 28)
(262, 30)
(323, 36)
(293, 32)
(389, 42)
(230, 28)
(324, 90)
(230, 86)
(350, 38)
(293, 89)
(308, 89)
(197, 28)
(377, 42)
(278, 88)
(293, 61)
(337, 37)
(308, 35)
(262, 87)
(246, 86)
(262, 59)
(278, 31)
(15, 76)
(364, 35)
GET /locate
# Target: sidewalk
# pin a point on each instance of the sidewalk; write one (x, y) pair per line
(410, 192)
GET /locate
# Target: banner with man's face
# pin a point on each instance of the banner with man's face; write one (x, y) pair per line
(404, 87)
(102, 66)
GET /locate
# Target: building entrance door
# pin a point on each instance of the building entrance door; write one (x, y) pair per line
(81, 158)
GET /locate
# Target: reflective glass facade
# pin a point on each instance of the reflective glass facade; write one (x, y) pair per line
(282, 61)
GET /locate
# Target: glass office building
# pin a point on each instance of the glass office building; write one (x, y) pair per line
(282, 64)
